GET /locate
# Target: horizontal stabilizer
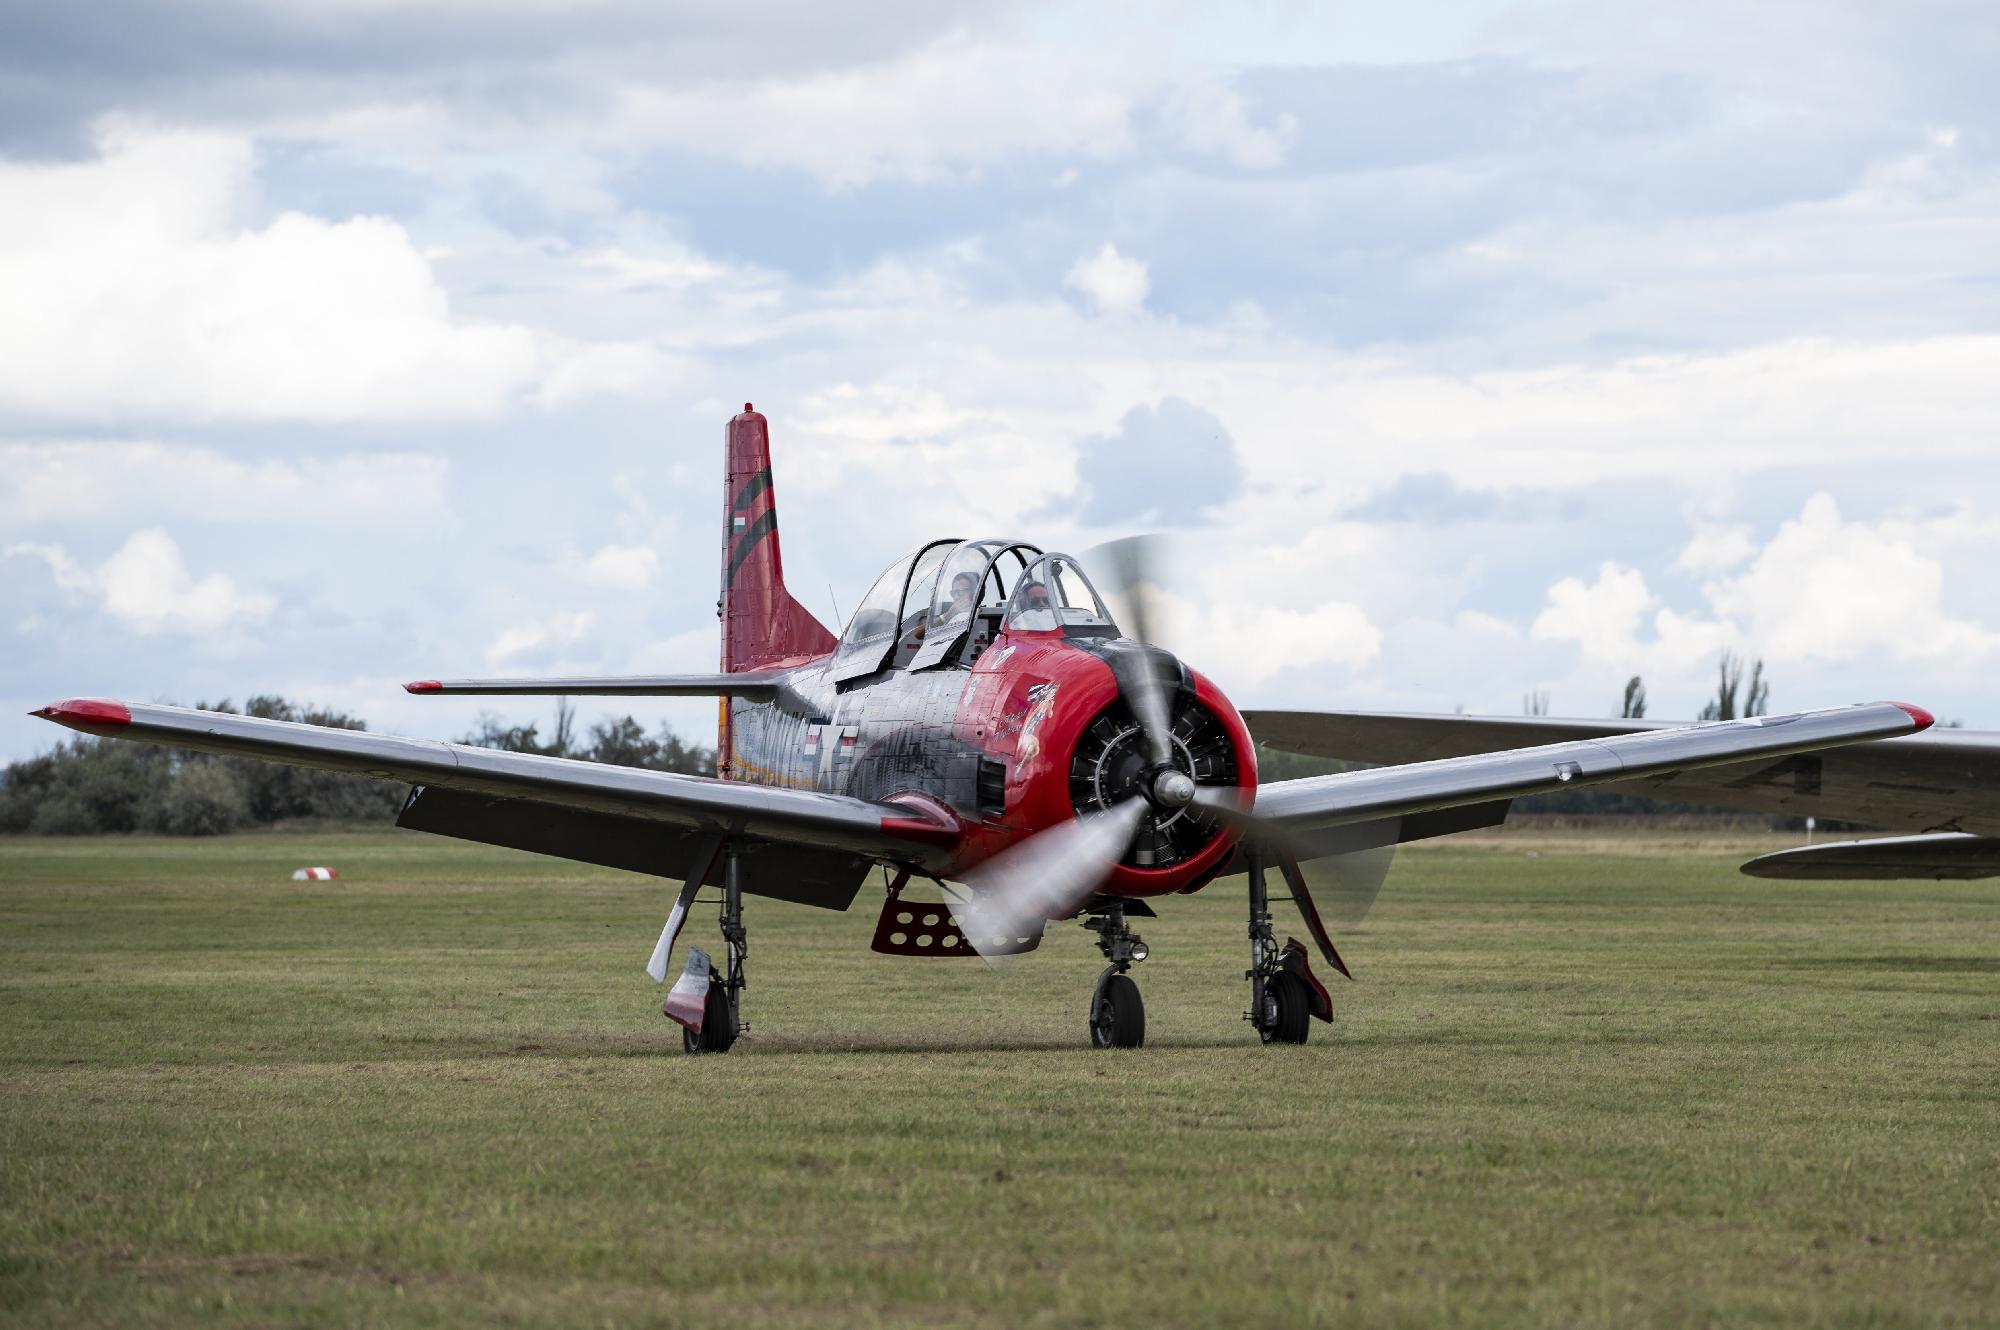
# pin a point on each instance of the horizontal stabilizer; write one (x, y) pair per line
(1886, 858)
(761, 685)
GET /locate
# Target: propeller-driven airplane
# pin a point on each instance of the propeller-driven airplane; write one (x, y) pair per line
(983, 723)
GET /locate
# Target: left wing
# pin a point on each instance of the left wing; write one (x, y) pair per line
(1943, 780)
(1299, 808)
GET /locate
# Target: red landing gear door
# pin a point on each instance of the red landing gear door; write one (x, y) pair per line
(1310, 913)
(1295, 961)
(687, 1000)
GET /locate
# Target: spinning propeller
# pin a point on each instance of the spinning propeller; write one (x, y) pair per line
(1051, 874)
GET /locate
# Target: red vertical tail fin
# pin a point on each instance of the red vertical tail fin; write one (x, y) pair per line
(762, 625)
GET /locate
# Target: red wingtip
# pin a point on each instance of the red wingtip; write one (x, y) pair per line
(423, 686)
(86, 713)
(1923, 718)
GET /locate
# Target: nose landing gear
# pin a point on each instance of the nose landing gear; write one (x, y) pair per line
(1117, 1012)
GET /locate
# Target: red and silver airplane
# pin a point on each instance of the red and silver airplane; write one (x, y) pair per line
(984, 724)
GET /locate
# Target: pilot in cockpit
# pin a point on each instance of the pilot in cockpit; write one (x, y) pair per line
(964, 592)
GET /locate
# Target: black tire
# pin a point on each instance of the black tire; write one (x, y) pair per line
(1119, 1020)
(1287, 1010)
(718, 1022)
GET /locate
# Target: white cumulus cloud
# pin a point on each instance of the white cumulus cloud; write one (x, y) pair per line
(155, 296)
(1621, 628)
(1244, 645)
(1822, 593)
(559, 629)
(1210, 118)
(146, 586)
(1716, 549)
(1602, 616)
(62, 482)
(616, 568)
(1114, 283)
(1826, 589)
(946, 112)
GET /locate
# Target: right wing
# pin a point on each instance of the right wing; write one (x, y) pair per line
(800, 818)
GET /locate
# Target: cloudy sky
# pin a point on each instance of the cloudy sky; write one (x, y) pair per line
(1468, 348)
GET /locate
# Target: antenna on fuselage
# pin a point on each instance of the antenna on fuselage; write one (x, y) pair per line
(837, 620)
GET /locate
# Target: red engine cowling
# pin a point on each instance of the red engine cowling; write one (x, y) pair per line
(1052, 714)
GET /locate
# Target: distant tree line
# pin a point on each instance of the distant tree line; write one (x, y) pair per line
(622, 742)
(87, 786)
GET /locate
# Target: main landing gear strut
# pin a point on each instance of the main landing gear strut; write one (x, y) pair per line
(721, 1018)
(1281, 1001)
(1117, 1013)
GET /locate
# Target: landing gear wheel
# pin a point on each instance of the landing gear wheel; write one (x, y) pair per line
(1119, 1017)
(1287, 1014)
(718, 1022)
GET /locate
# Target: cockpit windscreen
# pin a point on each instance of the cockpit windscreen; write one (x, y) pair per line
(1054, 594)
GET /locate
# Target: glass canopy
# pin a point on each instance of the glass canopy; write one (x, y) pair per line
(941, 603)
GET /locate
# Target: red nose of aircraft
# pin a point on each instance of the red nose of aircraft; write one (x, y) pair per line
(1083, 752)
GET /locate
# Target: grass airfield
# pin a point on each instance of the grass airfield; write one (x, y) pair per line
(1582, 1081)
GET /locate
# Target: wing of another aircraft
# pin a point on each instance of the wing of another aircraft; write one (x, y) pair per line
(1315, 802)
(1939, 780)
(499, 793)
(1948, 855)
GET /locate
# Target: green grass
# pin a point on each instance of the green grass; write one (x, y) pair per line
(1620, 1085)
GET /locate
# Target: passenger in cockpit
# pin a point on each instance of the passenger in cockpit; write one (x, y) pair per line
(964, 592)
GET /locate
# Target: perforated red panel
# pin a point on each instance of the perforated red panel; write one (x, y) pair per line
(929, 928)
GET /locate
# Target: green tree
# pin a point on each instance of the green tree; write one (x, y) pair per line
(621, 742)
(1729, 687)
(81, 786)
(85, 785)
(201, 799)
(277, 792)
